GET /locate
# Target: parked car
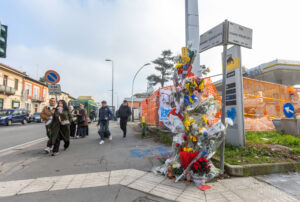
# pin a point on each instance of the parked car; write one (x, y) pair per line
(35, 117)
(9, 116)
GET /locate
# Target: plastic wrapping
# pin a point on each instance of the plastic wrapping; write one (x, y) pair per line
(196, 140)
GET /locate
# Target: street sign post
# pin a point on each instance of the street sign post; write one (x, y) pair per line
(225, 34)
(52, 77)
(54, 89)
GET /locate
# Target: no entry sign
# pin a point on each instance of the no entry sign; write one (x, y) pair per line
(52, 77)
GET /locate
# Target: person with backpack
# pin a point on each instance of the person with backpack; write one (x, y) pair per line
(105, 115)
(124, 113)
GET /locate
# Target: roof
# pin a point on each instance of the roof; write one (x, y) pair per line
(36, 81)
(135, 99)
(13, 70)
(284, 72)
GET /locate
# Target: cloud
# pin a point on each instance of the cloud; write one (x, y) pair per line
(74, 37)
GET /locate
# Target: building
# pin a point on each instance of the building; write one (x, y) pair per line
(63, 96)
(285, 72)
(35, 95)
(11, 86)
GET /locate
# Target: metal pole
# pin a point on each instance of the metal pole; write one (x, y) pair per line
(132, 89)
(112, 86)
(225, 29)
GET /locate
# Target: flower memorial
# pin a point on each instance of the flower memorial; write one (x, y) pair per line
(196, 141)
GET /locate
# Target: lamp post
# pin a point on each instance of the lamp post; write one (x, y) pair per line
(132, 88)
(112, 82)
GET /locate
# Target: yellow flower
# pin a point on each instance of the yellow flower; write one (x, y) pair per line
(204, 119)
(190, 149)
(201, 86)
(184, 149)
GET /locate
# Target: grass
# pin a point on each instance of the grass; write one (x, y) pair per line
(165, 138)
(274, 138)
(259, 149)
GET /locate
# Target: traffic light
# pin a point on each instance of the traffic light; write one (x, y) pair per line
(3, 40)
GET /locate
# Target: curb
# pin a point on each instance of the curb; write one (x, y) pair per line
(260, 169)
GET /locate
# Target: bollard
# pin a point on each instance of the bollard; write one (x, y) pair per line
(143, 126)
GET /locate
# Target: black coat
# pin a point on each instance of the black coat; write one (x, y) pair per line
(124, 112)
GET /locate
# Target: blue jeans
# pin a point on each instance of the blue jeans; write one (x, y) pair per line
(104, 129)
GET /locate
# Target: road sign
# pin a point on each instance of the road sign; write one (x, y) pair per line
(54, 89)
(211, 38)
(239, 35)
(52, 77)
(3, 40)
(289, 110)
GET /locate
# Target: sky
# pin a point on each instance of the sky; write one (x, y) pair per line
(74, 37)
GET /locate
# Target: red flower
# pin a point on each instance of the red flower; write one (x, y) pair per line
(177, 144)
(185, 138)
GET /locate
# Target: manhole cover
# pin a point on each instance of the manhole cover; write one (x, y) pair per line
(144, 199)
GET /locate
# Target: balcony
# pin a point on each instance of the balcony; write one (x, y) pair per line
(7, 90)
(36, 98)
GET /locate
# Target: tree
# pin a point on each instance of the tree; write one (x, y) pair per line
(164, 65)
(42, 79)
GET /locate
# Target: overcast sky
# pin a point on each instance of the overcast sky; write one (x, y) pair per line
(74, 37)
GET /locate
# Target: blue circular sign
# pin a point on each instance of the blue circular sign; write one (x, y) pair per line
(52, 77)
(288, 110)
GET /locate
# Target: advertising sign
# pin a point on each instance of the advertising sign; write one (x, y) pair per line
(235, 134)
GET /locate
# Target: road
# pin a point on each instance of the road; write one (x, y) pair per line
(117, 171)
(19, 134)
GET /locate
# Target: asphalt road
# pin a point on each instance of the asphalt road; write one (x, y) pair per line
(20, 134)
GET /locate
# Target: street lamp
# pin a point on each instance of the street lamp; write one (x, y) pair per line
(112, 82)
(132, 88)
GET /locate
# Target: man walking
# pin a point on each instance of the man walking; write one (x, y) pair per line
(47, 115)
(105, 115)
(124, 113)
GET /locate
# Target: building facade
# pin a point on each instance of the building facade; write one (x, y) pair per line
(34, 96)
(11, 86)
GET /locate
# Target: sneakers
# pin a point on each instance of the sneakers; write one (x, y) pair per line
(110, 137)
(101, 142)
(54, 153)
(47, 150)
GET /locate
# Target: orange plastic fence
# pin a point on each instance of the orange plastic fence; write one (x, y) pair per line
(150, 106)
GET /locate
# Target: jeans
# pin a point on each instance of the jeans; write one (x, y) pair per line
(104, 129)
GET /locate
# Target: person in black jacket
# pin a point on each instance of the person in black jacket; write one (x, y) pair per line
(124, 113)
(105, 115)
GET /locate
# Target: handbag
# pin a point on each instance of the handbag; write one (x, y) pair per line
(65, 122)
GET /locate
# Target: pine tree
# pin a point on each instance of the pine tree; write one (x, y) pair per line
(164, 65)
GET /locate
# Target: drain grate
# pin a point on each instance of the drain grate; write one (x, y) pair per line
(144, 199)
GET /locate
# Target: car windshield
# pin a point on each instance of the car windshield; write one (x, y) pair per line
(5, 112)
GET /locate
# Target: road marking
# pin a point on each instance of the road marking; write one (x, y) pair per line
(24, 145)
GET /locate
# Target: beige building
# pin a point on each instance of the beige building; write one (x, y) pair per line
(63, 96)
(11, 86)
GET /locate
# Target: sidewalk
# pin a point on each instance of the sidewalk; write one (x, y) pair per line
(115, 171)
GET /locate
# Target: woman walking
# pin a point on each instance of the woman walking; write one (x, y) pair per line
(64, 116)
(73, 122)
(82, 119)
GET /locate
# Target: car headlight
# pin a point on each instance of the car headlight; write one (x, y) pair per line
(3, 117)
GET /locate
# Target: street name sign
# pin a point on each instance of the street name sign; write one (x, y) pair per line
(211, 38)
(226, 33)
(52, 77)
(54, 89)
(239, 35)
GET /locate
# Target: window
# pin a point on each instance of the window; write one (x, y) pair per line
(16, 84)
(36, 92)
(1, 104)
(28, 88)
(5, 80)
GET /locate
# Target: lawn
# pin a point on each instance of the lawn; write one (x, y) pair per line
(264, 147)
